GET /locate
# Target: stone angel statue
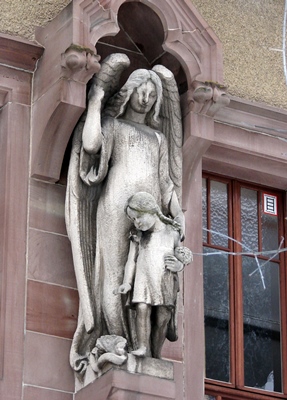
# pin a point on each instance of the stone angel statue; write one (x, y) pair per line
(129, 140)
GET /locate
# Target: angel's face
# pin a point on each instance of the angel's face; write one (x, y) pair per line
(143, 97)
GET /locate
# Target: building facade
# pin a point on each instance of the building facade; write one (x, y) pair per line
(232, 314)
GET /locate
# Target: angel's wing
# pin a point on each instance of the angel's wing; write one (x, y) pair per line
(172, 125)
(109, 76)
(80, 215)
(81, 199)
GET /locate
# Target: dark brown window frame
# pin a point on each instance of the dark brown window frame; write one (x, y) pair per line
(236, 389)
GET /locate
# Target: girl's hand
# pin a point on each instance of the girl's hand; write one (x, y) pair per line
(123, 289)
(172, 263)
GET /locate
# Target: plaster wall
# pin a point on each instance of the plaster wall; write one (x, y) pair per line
(251, 36)
(250, 32)
(21, 18)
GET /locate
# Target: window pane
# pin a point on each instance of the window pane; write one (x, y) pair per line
(261, 308)
(219, 213)
(269, 232)
(204, 210)
(216, 309)
(249, 219)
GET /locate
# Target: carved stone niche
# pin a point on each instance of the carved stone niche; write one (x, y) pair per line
(180, 39)
(150, 32)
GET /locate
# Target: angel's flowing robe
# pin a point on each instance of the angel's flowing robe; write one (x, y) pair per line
(137, 158)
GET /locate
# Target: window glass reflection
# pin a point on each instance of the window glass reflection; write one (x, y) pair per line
(269, 226)
(249, 219)
(262, 360)
(219, 213)
(216, 311)
(204, 210)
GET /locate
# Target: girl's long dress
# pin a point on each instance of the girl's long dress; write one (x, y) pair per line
(138, 161)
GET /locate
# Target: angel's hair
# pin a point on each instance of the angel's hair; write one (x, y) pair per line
(145, 203)
(117, 105)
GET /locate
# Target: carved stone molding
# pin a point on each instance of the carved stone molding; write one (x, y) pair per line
(65, 97)
(17, 58)
(255, 117)
(19, 53)
(249, 142)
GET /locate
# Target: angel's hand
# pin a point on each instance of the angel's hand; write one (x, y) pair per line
(123, 289)
(96, 93)
(172, 263)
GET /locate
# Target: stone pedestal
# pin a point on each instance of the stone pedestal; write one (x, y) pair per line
(122, 385)
(160, 369)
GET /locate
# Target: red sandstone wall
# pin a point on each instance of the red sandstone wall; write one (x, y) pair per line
(52, 299)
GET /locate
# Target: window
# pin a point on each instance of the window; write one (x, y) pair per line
(244, 290)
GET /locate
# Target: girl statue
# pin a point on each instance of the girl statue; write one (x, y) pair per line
(151, 273)
(118, 150)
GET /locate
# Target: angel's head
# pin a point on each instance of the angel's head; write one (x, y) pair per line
(138, 79)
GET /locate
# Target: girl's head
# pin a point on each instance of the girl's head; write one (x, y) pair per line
(144, 211)
(143, 202)
(118, 103)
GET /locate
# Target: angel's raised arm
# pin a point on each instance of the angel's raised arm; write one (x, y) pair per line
(92, 137)
(104, 85)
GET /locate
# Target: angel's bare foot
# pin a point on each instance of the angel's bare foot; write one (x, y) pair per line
(141, 352)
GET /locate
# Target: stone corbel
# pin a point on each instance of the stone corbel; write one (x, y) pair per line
(57, 110)
(79, 63)
(201, 104)
(69, 61)
(208, 97)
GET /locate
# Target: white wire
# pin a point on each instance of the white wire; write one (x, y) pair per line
(249, 252)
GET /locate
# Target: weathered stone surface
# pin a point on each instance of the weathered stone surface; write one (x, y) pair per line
(128, 138)
(121, 384)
